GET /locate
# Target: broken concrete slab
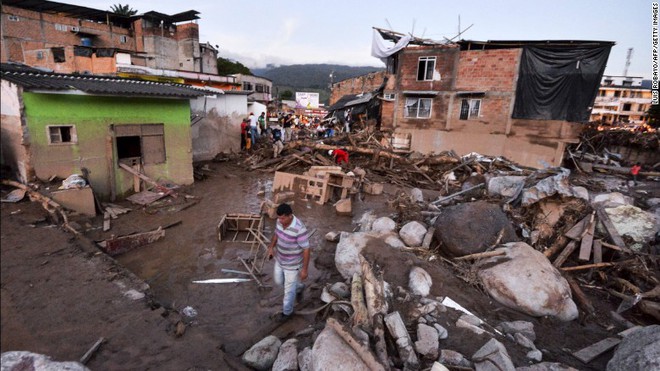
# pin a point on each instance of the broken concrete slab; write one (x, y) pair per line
(525, 280)
(506, 186)
(492, 356)
(427, 341)
(80, 200)
(470, 228)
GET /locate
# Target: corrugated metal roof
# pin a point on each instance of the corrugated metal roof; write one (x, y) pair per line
(99, 85)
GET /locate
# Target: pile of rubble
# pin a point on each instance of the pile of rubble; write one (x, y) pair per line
(533, 240)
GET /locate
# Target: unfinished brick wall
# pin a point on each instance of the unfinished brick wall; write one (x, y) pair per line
(356, 85)
(28, 37)
(445, 64)
(488, 70)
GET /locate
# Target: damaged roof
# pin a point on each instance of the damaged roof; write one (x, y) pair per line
(97, 85)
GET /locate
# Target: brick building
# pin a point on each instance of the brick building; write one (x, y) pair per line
(523, 100)
(67, 38)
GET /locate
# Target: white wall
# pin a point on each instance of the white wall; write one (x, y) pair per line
(219, 131)
(13, 152)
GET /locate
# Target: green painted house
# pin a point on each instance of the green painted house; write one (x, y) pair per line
(58, 125)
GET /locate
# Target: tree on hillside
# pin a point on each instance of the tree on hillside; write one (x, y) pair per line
(286, 95)
(123, 10)
(227, 67)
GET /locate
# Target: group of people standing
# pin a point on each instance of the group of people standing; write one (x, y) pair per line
(252, 128)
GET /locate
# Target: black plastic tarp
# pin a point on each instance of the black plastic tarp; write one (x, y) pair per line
(559, 83)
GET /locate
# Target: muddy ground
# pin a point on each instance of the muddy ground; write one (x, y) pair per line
(61, 294)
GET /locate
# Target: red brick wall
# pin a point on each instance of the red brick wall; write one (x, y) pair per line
(187, 31)
(444, 65)
(488, 70)
(357, 85)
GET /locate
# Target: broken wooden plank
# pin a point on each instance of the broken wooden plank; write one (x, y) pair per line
(148, 180)
(119, 245)
(589, 353)
(570, 247)
(582, 300)
(145, 197)
(611, 230)
(576, 231)
(85, 358)
(587, 241)
(481, 255)
(106, 221)
(440, 200)
(598, 251)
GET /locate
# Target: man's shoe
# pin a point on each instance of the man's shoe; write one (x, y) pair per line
(281, 317)
(300, 293)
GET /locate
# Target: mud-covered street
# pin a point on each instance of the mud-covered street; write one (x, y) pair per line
(61, 294)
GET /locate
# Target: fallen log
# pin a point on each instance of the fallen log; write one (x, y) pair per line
(350, 149)
(373, 289)
(360, 315)
(624, 170)
(364, 353)
(587, 266)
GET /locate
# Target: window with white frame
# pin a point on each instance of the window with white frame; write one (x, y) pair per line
(247, 86)
(419, 108)
(123, 39)
(60, 27)
(62, 134)
(470, 108)
(389, 96)
(425, 68)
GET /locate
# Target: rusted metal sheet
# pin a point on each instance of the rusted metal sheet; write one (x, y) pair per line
(123, 244)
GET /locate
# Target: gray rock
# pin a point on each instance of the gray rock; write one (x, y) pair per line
(393, 241)
(639, 350)
(348, 251)
(525, 280)
(419, 281)
(524, 341)
(287, 358)
(384, 224)
(262, 355)
(21, 360)
(453, 358)
(427, 341)
(366, 221)
(473, 320)
(412, 233)
(340, 289)
(330, 352)
(332, 236)
(523, 327)
(547, 366)
(492, 356)
(305, 359)
(442, 332)
(416, 195)
(535, 355)
(470, 228)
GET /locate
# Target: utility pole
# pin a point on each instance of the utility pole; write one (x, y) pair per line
(628, 58)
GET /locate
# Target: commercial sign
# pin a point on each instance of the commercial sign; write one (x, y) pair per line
(307, 100)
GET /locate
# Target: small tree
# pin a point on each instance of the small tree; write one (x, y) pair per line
(286, 95)
(123, 10)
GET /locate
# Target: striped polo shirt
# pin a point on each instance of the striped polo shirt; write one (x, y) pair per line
(290, 243)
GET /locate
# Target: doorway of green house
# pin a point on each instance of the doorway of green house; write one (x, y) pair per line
(139, 146)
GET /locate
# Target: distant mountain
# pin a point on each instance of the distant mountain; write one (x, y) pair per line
(310, 77)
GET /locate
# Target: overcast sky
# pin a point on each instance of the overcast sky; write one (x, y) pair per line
(258, 32)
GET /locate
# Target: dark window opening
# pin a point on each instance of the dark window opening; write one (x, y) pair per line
(425, 68)
(392, 63)
(58, 55)
(617, 94)
(128, 147)
(627, 107)
(465, 109)
(61, 134)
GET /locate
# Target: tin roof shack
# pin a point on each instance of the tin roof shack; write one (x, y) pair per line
(58, 124)
(520, 99)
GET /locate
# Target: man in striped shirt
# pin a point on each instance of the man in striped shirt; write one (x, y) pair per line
(291, 256)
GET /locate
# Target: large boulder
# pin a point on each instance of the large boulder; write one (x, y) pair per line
(21, 360)
(639, 350)
(287, 358)
(506, 186)
(384, 224)
(347, 254)
(330, 352)
(525, 280)
(419, 281)
(634, 222)
(472, 227)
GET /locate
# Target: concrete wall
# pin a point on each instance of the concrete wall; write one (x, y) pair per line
(14, 154)
(219, 131)
(95, 148)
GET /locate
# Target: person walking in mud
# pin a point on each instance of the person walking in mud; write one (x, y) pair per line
(290, 247)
